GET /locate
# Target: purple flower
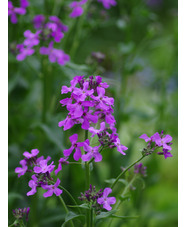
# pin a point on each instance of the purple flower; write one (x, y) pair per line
(38, 21)
(162, 141)
(166, 153)
(75, 146)
(33, 185)
(52, 189)
(12, 11)
(108, 3)
(20, 212)
(97, 131)
(92, 152)
(34, 153)
(43, 167)
(23, 52)
(31, 38)
(139, 168)
(105, 200)
(77, 9)
(145, 137)
(55, 55)
(61, 161)
(21, 170)
(120, 147)
(24, 3)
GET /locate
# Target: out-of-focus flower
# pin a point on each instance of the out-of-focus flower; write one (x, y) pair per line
(140, 169)
(55, 55)
(24, 3)
(38, 21)
(12, 11)
(32, 39)
(20, 212)
(108, 3)
(21, 170)
(24, 52)
(77, 9)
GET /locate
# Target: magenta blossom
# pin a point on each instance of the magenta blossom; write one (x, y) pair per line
(52, 189)
(77, 9)
(120, 147)
(105, 200)
(33, 185)
(12, 11)
(61, 161)
(75, 146)
(24, 3)
(24, 52)
(32, 39)
(55, 55)
(34, 153)
(43, 167)
(97, 131)
(162, 140)
(108, 3)
(38, 21)
(21, 170)
(92, 152)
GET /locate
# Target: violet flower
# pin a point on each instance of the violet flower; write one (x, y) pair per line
(61, 161)
(32, 39)
(24, 3)
(21, 170)
(43, 167)
(162, 141)
(34, 153)
(24, 52)
(38, 21)
(140, 169)
(52, 189)
(92, 152)
(12, 11)
(105, 200)
(55, 55)
(75, 146)
(108, 3)
(77, 9)
(33, 185)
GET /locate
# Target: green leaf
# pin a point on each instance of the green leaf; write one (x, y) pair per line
(70, 216)
(52, 135)
(83, 206)
(105, 214)
(124, 217)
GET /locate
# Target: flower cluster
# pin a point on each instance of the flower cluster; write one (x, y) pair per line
(140, 169)
(47, 32)
(19, 213)
(13, 11)
(98, 200)
(42, 173)
(158, 141)
(88, 105)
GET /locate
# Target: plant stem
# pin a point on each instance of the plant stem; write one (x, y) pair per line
(69, 194)
(87, 177)
(44, 108)
(124, 171)
(66, 209)
(120, 201)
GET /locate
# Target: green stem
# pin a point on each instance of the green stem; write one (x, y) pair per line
(91, 217)
(66, 209)
(69, 194)
(120, 201)
(87, 177)
(44, 109)
(124, 171)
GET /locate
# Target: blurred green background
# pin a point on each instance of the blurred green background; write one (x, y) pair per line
(139, 41)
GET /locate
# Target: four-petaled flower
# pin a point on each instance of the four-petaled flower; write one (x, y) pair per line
(52, 189)
(77, 9)
(92, 152)
(21, 170)
(75, 146)
(105, 200)
(12, 11)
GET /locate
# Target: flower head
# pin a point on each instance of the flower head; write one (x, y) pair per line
(77, 9)
(52, 189)
(108, 3)
(105, 200)
(12, 11)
